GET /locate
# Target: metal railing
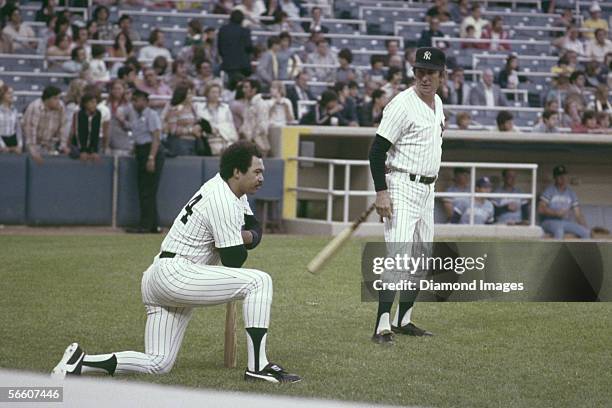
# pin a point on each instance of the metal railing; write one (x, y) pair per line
(330, 192)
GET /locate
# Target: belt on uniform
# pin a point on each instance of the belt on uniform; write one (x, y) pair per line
(422, 179)
(166, 254)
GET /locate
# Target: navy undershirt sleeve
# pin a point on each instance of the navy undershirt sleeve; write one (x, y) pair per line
(378, 157)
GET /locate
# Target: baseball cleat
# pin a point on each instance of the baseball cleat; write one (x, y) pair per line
(71, 362)
(385, 338)
(272, 373)
(411, 330)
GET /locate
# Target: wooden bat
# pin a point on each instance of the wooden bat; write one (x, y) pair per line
(335, 244)
(229, 354)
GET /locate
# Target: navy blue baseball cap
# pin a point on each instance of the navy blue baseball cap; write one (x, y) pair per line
(430, 58)
(483, 182)
(559, 170)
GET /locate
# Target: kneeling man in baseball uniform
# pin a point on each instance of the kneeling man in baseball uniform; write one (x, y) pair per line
(217, 224)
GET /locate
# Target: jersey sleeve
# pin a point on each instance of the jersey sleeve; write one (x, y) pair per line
(574, 199)
(225, 223)
(392, 124)
(247, 207)
(547, 195)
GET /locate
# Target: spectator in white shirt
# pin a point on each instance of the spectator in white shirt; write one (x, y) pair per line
(18, 32)
(598, 47)
(97, 67)
(475, 20)
(570, 41)
(155, 48)
(219, 116)
(281, 111)
(290, 8)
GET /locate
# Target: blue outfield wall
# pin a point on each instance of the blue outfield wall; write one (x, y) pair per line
(62, 191)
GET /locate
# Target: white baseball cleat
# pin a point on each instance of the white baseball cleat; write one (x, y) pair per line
(71, 362)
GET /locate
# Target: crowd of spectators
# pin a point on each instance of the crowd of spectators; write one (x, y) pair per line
(239, 81)
(557, 208)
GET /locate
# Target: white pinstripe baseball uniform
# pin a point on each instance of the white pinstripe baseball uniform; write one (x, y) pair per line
(172, 287)
(415, 132)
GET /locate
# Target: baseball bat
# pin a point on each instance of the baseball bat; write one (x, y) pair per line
(230, 336)
(335, 244)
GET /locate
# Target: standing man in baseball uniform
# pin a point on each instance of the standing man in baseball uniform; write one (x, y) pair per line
(216, 224)
(404, 160)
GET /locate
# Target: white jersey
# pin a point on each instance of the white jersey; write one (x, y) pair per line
(213, 218)
(415, 131)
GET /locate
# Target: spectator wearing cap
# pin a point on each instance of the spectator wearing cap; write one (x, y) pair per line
(124, 25)
(426, 38)
(328, 112)
(548, 123)
(323, 61)
(509, 210)
(475, 20)
(486, 93)
(483, 210)
(497, 35)
(461, 179)
(598, 47)
(156, 47)
(45, 126)
(268, 67)
(505, 122)
(594, 21)
(17, 31)
(315, 23)
(557, 203)
(145, 125)
(235, 47)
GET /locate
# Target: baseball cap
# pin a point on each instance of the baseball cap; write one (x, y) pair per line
(483, 182)
(595, 7)
(430, 58)
(559, 170)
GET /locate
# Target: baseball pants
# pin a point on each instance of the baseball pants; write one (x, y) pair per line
(412, 224)
(408, 231)
(172, 288)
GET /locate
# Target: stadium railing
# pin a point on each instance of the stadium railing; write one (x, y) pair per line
(346, 192)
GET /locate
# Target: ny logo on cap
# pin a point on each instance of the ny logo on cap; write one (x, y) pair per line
(427, 55)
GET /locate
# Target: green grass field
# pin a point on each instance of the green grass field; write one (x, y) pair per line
(60, 289)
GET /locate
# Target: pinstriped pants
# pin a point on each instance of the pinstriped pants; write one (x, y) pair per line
(411, 227)
(172, 288)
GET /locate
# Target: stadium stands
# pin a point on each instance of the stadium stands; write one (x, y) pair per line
(362, 26)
